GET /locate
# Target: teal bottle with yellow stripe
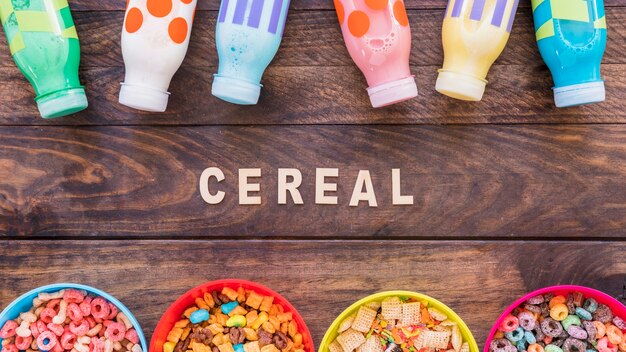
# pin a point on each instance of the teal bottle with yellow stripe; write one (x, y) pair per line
(44, 44)
(571, 35)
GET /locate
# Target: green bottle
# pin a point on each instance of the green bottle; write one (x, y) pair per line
(44, 44)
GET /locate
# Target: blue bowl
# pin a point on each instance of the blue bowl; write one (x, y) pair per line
(25, 302)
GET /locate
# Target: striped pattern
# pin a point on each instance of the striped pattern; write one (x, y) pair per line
(545, 12)
(476, 9)
(16, 22)
(253, 13)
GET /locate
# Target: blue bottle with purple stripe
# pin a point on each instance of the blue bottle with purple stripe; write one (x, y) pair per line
(572, 35)
(248, 35)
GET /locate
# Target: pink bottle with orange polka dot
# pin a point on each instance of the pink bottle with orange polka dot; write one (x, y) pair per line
(155, 38)
(378, 38)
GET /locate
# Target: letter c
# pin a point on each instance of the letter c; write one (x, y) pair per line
(204, 185)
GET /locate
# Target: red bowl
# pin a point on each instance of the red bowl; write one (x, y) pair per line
(616, 306)
(175, 311)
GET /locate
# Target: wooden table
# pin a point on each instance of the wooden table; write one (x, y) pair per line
(511, 194)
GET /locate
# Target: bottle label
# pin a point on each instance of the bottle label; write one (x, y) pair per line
(546, 12)
(477, 10)
(250, 13)
(53, 16)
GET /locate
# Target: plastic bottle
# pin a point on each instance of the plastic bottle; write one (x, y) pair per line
(44, 44)
(475, 33)
(571, 35)
(248, 35)
(155, 39)
(378, 38)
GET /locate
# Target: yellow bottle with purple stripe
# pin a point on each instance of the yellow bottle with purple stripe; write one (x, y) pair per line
(44, 44)
(571, 35)
(475, 33)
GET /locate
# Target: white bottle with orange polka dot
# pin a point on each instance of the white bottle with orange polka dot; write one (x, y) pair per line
(378, 38)
(155, 38)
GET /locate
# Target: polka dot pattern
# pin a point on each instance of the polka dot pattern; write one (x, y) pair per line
(399, 12)
(341, 12)
(177, 29)
(134, 20)
(159, 8)
(358, 23)
(377, 4)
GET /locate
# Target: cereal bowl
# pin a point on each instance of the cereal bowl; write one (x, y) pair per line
(617, 308)
(352, 315)
(175, 312)
(25, 302)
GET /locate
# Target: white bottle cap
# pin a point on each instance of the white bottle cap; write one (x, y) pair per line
(393, 92)
(460, 86)
(143, 98)
(236, 91)
(579, 94)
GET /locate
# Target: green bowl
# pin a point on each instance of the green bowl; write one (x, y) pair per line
(331, 333)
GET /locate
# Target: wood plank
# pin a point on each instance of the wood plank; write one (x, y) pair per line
(322, 95)
(476, 279)
(95, 5)
(313, 38)
(476, 181)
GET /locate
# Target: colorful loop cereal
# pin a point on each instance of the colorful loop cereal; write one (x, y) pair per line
(526, 320)
(75, 332)
(23, 343)
(559, 312)
(475, 33)
(46, 341)
(73, 296)
(271, 323)
(155, 38)
(551, 327)
(248, 35)
(567, 326)
(401, 321)
(510, 323)
(44, 44)
(100, 308)
(378, 37)
(535, 348)
(79, 329)
(571, 320)
(603, 314)
(8, 330)
(590, 305)
(582, 313)
(74, 312)
(115, 332)
(604, 345)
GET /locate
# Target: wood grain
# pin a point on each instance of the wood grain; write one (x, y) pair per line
(313, 38)
(95, 5)
(322, 95)
(468, 181)
(478, 279)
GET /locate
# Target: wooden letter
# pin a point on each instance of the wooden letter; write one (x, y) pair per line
(245, 187)
(292, 187)
(321, 187)
(358, 195)
(204, 185)
(396, 190)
